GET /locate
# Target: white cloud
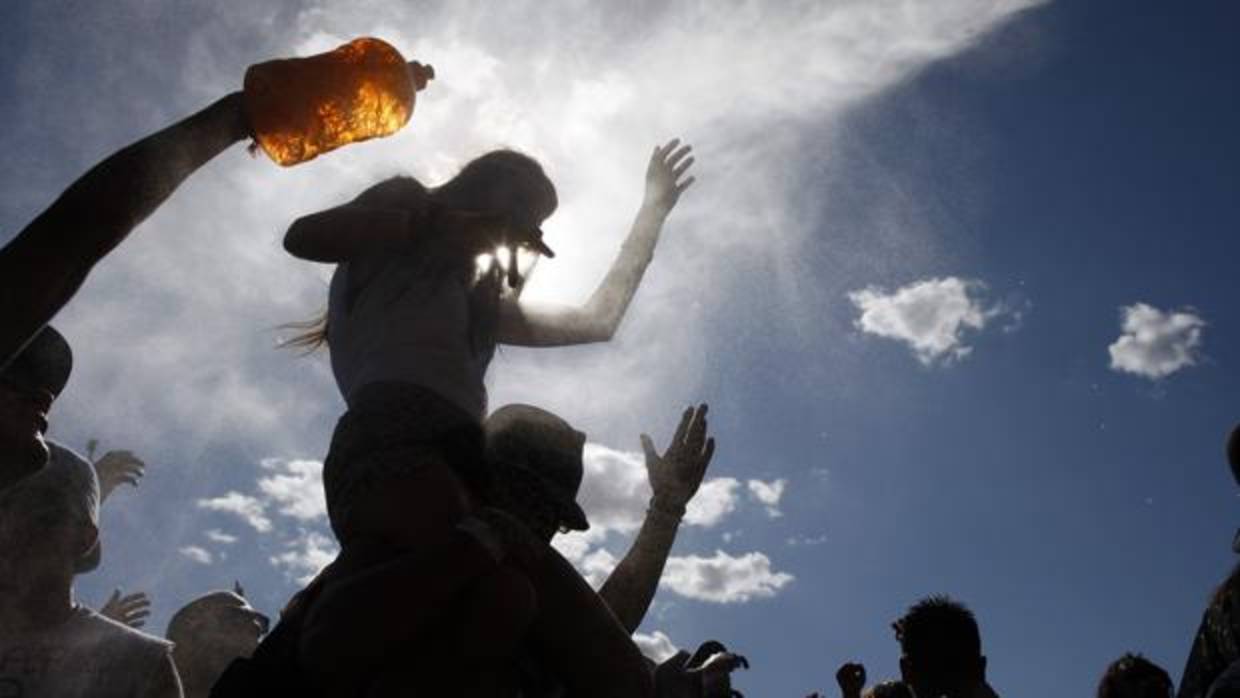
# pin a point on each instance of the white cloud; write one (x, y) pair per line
(308, 553)
(296, 488)
(1156, 344)
(596, 566)
(769, 494)
(616, 491)
(724, 578)
(250, 509)
(217, 536)
(657, 645)
(197, 554)
(794, 541)
(715, 499)
(931, 316)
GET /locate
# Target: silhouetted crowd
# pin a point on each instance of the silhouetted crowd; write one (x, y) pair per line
(446, 583)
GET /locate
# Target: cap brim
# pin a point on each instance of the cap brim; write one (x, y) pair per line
(536, 243)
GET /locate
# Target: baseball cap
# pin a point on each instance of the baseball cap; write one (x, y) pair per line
(546, 447)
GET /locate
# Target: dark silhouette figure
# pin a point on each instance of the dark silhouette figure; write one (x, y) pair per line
(941, 650)
(46, 263)
(851, 679)
(28, 387)
(537, 460)
(1233, 452)
(412, 324)
(1134, 676)
(49, 645)
(1217, 643)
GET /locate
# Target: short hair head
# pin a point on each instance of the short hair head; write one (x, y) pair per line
(941, 646)
(1134, 676)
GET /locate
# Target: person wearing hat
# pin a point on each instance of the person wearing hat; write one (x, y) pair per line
(28, 387)
(49, 644)
(537, 459)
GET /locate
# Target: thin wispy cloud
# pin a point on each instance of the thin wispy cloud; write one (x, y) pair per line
(1155, 344)
(197, 554)
(769, 494)
(248, 508)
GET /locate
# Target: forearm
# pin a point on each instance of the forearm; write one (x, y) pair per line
(48, 261)
(631, 586)
(610, 301)
(345, 232)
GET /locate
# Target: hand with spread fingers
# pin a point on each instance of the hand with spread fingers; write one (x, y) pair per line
(676, 475)
(665, 176)
(131, 610)
(116, 468)
(851, 678)
(707, 673)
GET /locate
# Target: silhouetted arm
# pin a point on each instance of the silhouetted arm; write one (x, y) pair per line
(47, 262)
(544, 324)
(674, 478)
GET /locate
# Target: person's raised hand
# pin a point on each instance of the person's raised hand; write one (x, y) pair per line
(131, 610)
(676, 475)
(116, 468)
(665, 175)
(704, 674)
(851, 678)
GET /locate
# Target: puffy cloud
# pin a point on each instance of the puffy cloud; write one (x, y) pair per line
(616, 491)
(715, 499)
(1156, 344)
(217, 536)
(724, 578)
(931, 316)
(296, 487)
(596, 566)
(308, 553)
(249, 508)
(656, 645)
(197, 554)
(769, 494)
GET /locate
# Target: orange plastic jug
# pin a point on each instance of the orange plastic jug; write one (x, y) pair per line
(301, 107)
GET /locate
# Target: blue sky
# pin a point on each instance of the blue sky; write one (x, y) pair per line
(873, 178)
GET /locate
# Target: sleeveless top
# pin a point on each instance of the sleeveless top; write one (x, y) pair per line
(388, 320)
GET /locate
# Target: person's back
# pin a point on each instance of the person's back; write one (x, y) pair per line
(50, 646)
(86, 655)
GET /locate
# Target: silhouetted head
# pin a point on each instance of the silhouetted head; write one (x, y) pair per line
(211, 631)
(887, 689)
(941, 648)
(28, 386)
(48, 525)
(537, 458)
(1134, 676)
